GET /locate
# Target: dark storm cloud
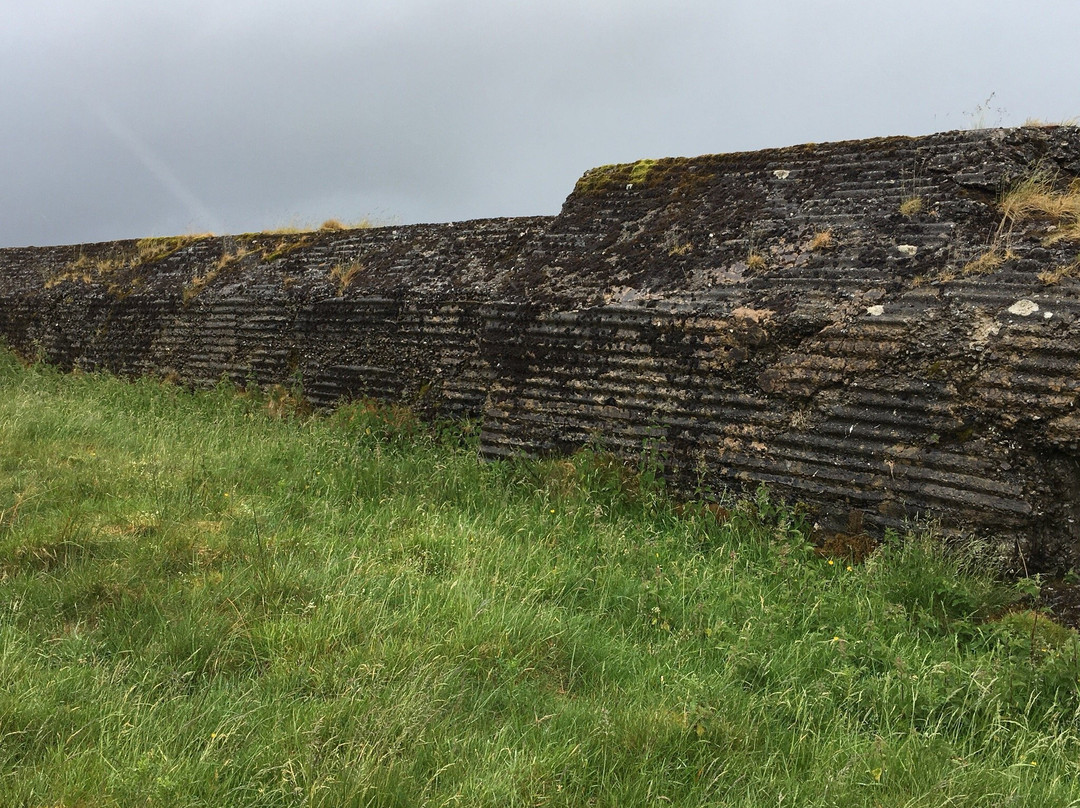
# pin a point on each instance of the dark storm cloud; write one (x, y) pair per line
(125, 119)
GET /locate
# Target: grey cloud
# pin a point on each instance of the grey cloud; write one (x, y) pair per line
(124, 119)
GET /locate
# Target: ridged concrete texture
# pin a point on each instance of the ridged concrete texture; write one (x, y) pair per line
(814, 318)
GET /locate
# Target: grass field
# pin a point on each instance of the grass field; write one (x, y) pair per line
(208, 601)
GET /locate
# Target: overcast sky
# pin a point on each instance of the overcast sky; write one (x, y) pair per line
(124, 119)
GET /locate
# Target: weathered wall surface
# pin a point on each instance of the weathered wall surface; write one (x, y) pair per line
(778, 316)
(393, 313)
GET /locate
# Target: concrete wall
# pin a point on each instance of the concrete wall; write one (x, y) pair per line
(694, 305)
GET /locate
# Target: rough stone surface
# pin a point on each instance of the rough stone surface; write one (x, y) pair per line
(769, 317)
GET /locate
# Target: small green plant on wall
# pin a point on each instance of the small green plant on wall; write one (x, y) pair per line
(1036, 197)
(822, 240)
(227, 261)
(911, 206)
(1060, 273)
(342, 275)
(109, 267)
(755, 260)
